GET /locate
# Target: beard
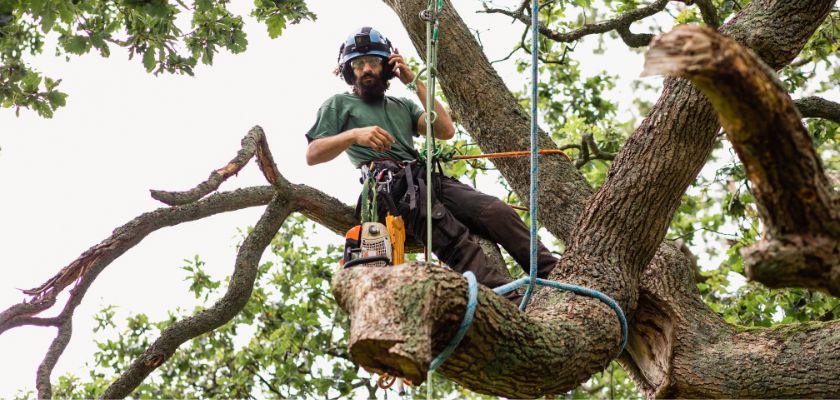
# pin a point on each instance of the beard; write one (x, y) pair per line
(371, 88)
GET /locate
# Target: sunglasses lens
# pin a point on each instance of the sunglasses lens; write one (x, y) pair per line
(360, 62)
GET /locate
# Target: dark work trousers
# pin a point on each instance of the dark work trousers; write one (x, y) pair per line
(457, 211)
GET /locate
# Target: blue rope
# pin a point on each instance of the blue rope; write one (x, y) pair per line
(472, 301)
(534, 162)
(532, 279)
(622, 320)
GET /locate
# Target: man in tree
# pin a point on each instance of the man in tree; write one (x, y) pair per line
(376, 130)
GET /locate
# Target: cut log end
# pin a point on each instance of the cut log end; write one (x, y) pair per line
(385, 356)
(391, 318)
(679, 52)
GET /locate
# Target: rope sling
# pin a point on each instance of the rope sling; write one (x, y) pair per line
(430, 15)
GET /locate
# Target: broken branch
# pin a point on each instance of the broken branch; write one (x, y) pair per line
(792, 192)
(254, 143)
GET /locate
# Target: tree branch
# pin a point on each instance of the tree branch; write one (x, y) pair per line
(708, 11)
(791, 190)
(646, 181)
(237, 295)
(253, 143)
(589, 151)
(817, 107)
(42, 380)
(405, 315)
(622, 21)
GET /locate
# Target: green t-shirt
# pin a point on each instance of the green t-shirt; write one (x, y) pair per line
(346, 111)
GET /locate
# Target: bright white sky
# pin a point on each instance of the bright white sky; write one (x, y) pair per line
(69, 181)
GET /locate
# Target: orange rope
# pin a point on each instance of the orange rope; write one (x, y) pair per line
(385, 381)
(518, 207)
(510, 154)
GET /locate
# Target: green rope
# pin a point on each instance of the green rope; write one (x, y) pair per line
(365, 208)
(431, 61)
(432, 32)
(368, 202)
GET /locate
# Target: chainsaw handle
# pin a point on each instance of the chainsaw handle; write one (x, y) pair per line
(365, 260)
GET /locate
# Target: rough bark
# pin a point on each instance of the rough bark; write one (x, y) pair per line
(494, 118)
(405, 315)
(620, 229)
(791, 190)
(816, 107)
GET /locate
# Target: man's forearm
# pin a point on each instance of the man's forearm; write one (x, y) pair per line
(443, 127)
(328, 148)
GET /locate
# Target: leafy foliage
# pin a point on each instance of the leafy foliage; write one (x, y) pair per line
(168, 37)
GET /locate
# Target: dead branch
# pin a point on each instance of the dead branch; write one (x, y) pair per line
(127, 236)
(237, 295)
(791, 189)
(254, 143)
(817, 107)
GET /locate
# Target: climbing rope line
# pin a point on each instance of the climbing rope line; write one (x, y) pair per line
(472, 301)
(534, 161)
(432, 31)
(622, 320)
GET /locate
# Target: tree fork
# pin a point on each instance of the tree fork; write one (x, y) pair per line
(654, 349)
(760, 119)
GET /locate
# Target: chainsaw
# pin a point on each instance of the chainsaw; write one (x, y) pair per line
(367, 245)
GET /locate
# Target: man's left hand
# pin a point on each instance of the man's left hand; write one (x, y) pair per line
(401, 70)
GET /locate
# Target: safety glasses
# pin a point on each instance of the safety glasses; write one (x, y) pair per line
(359, 62)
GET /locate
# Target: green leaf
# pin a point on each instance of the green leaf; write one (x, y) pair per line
(76, 45)
(57, 99)
(276, 23)
(149, 59)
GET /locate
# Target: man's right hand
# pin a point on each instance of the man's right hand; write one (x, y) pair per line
(374, 137)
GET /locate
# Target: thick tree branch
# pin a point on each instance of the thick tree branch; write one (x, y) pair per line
(645, 182)
(254, 143)
(793, 194)
(237, 295)
(403, 316)
(494, 117)
(817, 107)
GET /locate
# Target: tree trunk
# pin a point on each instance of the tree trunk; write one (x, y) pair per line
(614, 244)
